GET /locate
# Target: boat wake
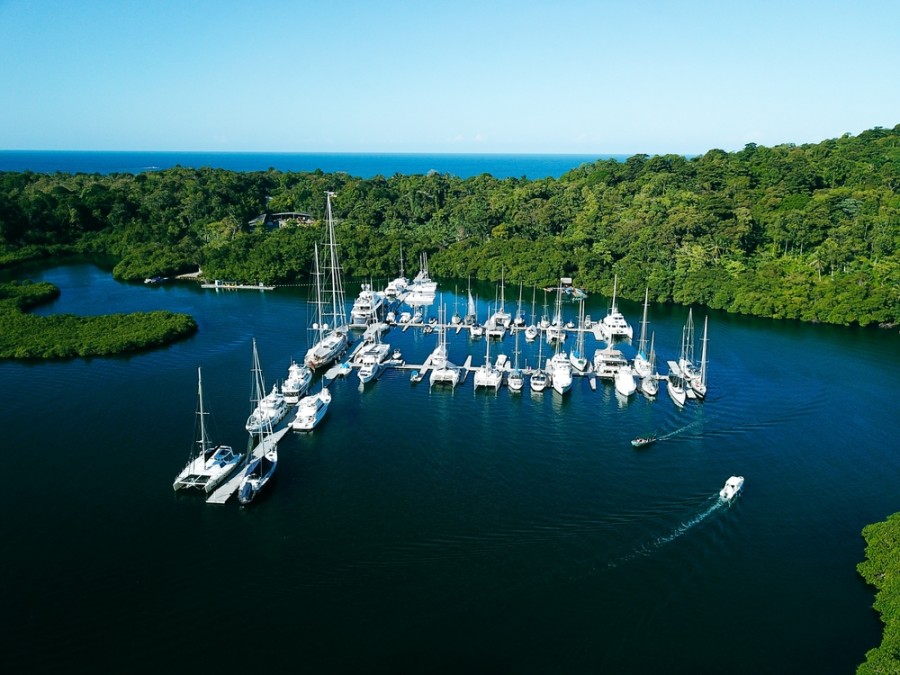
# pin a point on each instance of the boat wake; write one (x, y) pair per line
(680, 430)
(714, 504)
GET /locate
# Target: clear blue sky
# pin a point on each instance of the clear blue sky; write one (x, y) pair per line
(567, 76)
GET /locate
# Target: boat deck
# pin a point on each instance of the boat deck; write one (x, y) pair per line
(223, 493)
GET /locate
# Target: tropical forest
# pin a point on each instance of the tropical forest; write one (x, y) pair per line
(807, 232)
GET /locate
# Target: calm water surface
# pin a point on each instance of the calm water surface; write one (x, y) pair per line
(419, 530)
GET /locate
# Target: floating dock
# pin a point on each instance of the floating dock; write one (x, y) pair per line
(226, 286)
(223, 493)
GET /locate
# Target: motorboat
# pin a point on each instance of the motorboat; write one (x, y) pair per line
(297, 382)
(311, 410)
(676, 385)
(212, 463)
(560, 373)
(624, 381)
(268, 412)
(366, 307)
(643, 441)
(732, 487)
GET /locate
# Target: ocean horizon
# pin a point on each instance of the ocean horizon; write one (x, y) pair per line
(362, 165)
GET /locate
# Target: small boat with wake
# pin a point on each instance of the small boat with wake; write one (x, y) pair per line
(643, 441)
(732, 487)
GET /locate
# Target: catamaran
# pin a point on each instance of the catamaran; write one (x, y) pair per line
(441, 368)
(330, 327)
(487, 375)
(614, 324)
(211, 464)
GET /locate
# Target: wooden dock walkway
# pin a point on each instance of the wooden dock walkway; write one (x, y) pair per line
(223, 493)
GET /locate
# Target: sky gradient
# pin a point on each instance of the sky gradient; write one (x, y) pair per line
(608, 76)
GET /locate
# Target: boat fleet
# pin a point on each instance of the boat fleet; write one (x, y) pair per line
(402, 304)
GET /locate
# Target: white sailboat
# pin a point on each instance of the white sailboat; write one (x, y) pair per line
(641, 361)
(614, 324)
(499, 321)
(398, 287)
(539, 378)
(331, 325)
(260, 469)
(516, 379)
(518, 322)
(487, 375)
(442, 371)
(531, 331)
(577, 358)
(209, 465)
(650, 383)
(698, 384)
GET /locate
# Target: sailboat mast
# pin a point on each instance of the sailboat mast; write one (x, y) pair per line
(642, 342)
(320, 318)
(204, 442)
(337, 292)
(703, 354)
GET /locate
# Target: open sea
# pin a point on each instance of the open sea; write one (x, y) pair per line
(419, 530)
(363, 165)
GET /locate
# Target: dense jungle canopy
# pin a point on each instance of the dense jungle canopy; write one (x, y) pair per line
(805, 232)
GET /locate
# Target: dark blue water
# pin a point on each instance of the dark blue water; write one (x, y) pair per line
(364, 165)
(421, 530)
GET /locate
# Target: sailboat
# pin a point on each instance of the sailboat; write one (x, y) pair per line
(516, 380)
(471, 317)
(577, 358)
(641, 362)
(518, 322)
(397, 288)
(500, 320)
(531, 332)
(487, 375)
(614, 324)
(539, 378)
(331, 325)
(678, 384)
(211, 464)
(649, 383)
(441, 368)
(265, 457)
(560, 367)
(698, 384)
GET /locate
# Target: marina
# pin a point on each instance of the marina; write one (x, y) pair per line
(487, 517)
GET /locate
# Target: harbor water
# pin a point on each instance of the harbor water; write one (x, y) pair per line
(440, 530)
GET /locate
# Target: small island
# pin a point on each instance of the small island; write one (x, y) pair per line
(62, 336)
